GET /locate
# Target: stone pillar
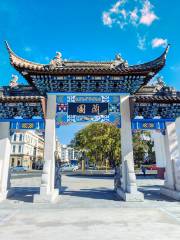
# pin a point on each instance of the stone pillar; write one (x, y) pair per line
(128, 190)
(177, 160)
(160, 152)
(171, 186)
(178, 131)
(47, 191)
(5, 150)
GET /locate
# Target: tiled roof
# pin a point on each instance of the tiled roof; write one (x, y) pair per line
(157, 99)
(25, 104)
(87, 67)
(21, 98)
(80, 76)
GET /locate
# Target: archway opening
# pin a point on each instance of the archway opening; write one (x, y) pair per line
(88, 162)
(25, 164)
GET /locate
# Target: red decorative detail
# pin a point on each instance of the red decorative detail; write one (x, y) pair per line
(62, 107)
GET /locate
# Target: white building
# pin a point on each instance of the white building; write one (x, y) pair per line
(58, 150)
(27, 149)
(64, 153)
(68, 153)
(72, 154)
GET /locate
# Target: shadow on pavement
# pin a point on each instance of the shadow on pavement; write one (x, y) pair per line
(153, 193)
(105, 176)
(24, 194)
(90, 176)
(99, 193)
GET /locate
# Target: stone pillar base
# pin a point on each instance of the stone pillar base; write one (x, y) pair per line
(170, 193)
(46, 198)
(5, 195)
(130, 197)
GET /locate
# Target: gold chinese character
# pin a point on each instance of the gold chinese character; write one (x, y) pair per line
(81, 108)
(95, 108)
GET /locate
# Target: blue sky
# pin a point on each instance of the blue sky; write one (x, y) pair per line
(90, 30)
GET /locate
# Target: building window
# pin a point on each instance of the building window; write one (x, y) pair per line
(14, 148)
(12, 162)
(20, 137)
(15, 137)
(18, 162)
(19, 149)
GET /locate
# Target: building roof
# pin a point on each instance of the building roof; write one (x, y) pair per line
(11, 106)
(66, 67)
(19, 90)
(38, 75)
(156, 99)
(21, 99)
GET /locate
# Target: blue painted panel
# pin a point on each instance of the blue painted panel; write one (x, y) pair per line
(68, 111)
(28, 124)
(150, 124)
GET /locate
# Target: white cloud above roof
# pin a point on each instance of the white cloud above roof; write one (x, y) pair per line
(134, 16)
(159, 42)
(107, 20)
(141, 42)
(147, 14)
(123, 13)
(134, 13)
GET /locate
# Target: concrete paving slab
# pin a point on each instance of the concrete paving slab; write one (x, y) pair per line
(88, 209)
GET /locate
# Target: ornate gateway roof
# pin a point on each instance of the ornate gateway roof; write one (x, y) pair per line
(84, 76)
(25, 107)
(149, 107)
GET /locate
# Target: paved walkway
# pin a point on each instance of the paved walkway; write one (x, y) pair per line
(88, 209)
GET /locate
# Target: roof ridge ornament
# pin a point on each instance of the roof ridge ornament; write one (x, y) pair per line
(14, 81)
(160, 81)
(57, 61)
(119, 62)
(163, 88)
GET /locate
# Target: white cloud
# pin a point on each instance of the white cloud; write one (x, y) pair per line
(159, 42)
(107, 20)
(148, 16)
(141, 42)
(132, 12)
(115, 7)
(134, 16)
(121, 24)
(124, 13)
(115, 15)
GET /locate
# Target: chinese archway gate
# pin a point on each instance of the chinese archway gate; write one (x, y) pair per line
(65, 92)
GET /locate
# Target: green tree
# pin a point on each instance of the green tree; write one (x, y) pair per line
(142, 144)
(100, 142)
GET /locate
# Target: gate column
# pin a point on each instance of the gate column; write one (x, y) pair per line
(5, 150)
(47, 191)
(128, 190)
(177, 163)
(171, 186)
(160, 152)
